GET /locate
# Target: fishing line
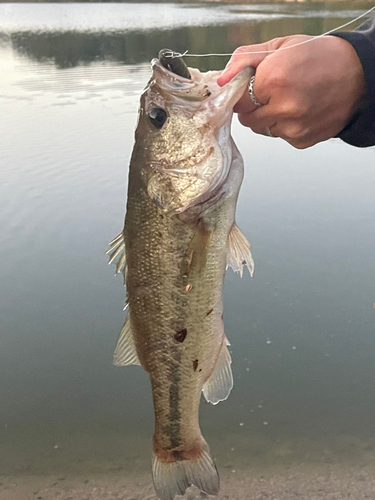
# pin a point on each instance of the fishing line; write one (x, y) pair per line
(186, 54)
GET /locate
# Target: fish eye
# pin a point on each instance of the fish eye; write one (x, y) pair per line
(158, 117)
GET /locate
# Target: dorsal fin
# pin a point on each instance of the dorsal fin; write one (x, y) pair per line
(117, 254)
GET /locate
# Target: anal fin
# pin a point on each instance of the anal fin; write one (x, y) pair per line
(125, 352)
(217, 388)
(238, 251)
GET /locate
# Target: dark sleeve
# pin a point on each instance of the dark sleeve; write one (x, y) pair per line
(360, 131)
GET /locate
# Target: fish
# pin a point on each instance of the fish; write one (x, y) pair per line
(179, 237)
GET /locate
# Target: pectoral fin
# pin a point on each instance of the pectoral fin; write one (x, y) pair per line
(218, 386)
(238, 251)
(125, 353)
(117, 254)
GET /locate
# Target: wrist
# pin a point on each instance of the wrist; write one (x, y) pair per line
(360, 128)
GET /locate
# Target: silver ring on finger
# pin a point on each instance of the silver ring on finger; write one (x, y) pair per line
(253, 98)
(269, 133)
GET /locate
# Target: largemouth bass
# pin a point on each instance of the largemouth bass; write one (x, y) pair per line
(179, 237)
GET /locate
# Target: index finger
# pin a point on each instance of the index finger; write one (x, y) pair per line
(247, 55)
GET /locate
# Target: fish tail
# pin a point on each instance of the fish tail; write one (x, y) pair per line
(175, 471)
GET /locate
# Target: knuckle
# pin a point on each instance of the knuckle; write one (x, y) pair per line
(277, 79)
(293, 110)
(246, 120)
(300, 145)
(240, 50)
(295, 132)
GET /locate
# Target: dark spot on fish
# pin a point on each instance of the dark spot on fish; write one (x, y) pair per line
(195, 364)
(244, 262)
(161, 216)
(200, 369)
(160, 235)
(209, 312)
(177, 455)
(181, 335)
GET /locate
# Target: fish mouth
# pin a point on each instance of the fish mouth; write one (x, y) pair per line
(172, 75)
(174, 63)
(188, 87)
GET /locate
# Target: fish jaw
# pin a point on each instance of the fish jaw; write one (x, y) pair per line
(212, 103)
(219, 106)
(188, 157)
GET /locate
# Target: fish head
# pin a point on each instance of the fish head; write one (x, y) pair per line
(183, 133)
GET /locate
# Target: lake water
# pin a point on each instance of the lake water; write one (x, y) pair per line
(302, 329)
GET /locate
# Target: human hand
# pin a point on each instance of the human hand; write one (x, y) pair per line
(308, 92)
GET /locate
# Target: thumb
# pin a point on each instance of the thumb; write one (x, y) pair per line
(247, 55)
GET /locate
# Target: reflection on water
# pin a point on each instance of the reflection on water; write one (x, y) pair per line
(156, 16)
(74, 34)
(302, 330)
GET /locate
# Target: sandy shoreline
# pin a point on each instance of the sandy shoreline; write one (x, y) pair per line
(251, 467)
(304, 481)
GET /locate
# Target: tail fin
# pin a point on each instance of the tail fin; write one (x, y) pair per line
(173, 478)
